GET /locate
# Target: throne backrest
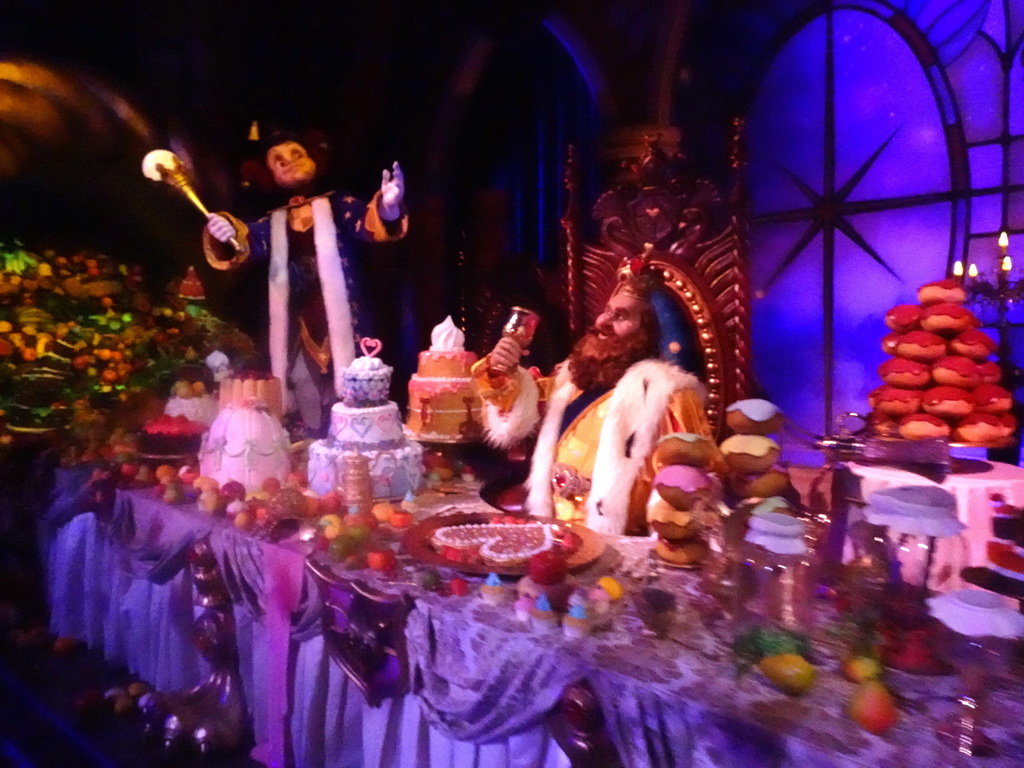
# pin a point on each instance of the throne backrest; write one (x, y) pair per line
(680, 226)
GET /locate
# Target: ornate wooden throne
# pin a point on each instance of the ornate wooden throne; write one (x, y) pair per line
(680, 226)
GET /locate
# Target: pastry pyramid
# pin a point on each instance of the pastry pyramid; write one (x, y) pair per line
(940, 381)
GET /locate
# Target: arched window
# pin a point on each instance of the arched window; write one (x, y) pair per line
(885, 143)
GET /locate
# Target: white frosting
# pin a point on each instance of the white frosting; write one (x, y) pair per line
(202, 409)
(367, 427)
(753, 445)
(393, 473)
(366, 364)
(245, 444)
(755, 409)
(447, 337)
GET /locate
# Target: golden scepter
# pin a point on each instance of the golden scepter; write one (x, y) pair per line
(165, 166)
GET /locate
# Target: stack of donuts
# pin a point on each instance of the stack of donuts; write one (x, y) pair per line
(751, 455)
(681, 486)
(940, 381)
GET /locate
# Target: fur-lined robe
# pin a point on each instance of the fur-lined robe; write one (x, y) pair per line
(652, 399)
(337, 221)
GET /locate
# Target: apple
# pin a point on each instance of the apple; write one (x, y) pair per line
(381, 560)
(271, 485)
(233, 489)
(62, 646)
(401, 518)
(129, 470)
(547, 568)
(458, 586)
(330, 503)
(873, 707)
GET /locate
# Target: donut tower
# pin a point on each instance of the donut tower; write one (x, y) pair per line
(682, 491)
(751, 454)
(940, 381)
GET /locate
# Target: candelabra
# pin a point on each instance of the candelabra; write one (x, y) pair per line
(994, 299)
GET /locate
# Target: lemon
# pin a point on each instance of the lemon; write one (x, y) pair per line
(611, 586)
(789, 672)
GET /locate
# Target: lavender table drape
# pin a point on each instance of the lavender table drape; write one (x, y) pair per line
(487, 681)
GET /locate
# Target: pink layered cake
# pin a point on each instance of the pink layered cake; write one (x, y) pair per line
(443, 403)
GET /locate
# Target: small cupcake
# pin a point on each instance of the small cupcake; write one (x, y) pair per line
(576, 624)
(493, 591)
(409, 503)
(600, 606)
(543, 616)
(524, 607)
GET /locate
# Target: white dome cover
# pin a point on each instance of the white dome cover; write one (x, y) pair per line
(245, 444)
(924, 510)
(976, 613)
(778, 533)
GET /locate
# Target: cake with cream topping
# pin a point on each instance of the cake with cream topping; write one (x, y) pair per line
(443, 403)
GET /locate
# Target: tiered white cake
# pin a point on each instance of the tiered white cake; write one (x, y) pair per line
(367, 422)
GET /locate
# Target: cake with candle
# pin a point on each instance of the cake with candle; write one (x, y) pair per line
(367, 422)
(443, 402)
(939, 381)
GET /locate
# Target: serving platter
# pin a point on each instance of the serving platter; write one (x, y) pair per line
(584, 546)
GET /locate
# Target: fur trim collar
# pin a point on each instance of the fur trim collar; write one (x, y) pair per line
(636, 410)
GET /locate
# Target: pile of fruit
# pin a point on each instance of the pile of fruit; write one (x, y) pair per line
(80, 330)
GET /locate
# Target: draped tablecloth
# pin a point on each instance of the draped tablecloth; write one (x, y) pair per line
(972, 486)
(484, 682)
(120, 582)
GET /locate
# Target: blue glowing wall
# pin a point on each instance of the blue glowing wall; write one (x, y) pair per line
(885, 143)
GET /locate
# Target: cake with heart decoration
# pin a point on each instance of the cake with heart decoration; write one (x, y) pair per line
(367, 422)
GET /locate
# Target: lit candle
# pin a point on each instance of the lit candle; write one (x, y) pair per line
(1006, 265)
(1004, 243)
(958, 268)
(972, 271)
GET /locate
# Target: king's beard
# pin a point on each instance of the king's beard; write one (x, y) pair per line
(598, 361)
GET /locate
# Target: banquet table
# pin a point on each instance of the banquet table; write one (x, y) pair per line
(482, 683)
(972, 483)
